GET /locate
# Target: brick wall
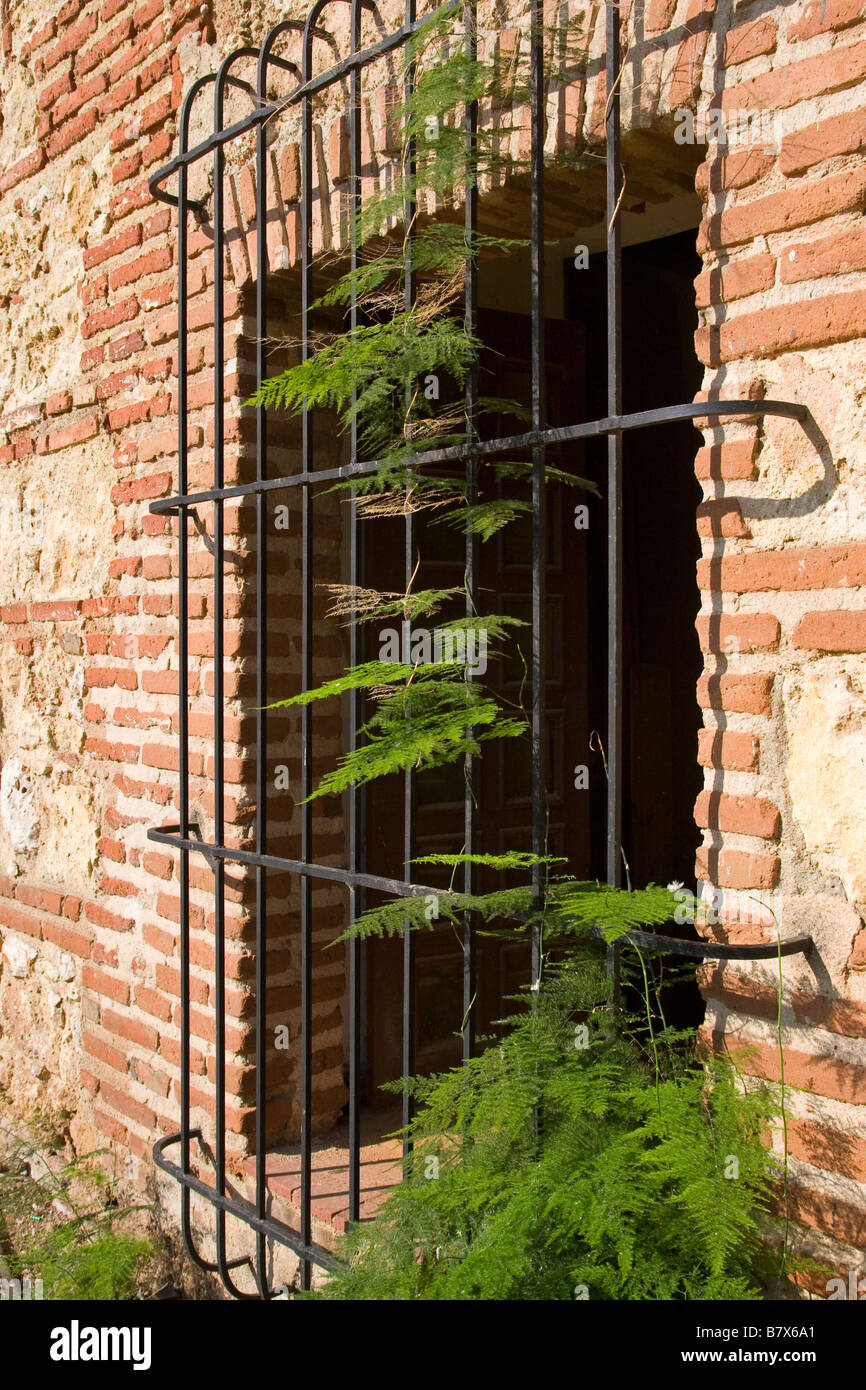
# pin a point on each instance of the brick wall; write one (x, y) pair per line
(88, 673)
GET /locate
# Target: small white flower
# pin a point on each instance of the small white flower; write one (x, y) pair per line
(675, 887)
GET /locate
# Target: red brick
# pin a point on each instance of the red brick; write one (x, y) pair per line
(826, 1076)
(105, 45)
(102, 677)
(835, 566)
(77, 98)
(155, 115)
(41, 898)
(732, 461)
(71, 133)
(806, 201)
(70, 43)
(156, 260)
(101, 917)
(127, 168)
(153, 1003)
(111, 849)
(721, 516)
(127, 1105)
(735, 280)
(119, 94)
(102, 983)
(113, 246)
(835, 135)
(58, 403)
(737, 169)
(790, 83)
(156, 445)
(92, 357)
(160, 865)
(118, 888)
(839, 631)
(141, 489)
(77, 943)
(121, 312)
(77, 433)
(735, 868)
(30, 164)
(124, 347)
(41, 36)
(730, 633)
(737, 694)
(60, 87)
(733, 751)
(130, 1028)
(143, 15)
(832, 255)
(103, 1051)
(748, 40)
(169, 908)
(157, 148)
(823, 16)
(742, 815)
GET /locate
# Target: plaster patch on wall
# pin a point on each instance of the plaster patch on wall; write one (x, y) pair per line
(18, 956)
(18, 810)
(825, 711)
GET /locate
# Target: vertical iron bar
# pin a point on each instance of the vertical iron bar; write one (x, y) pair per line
(356, 570)
(409, 210)
(183, 657)
(183, 672)
(306, 647)
(222, 80)
(470, 312)
(539, 501)
(261, 827)
(218, 674)
(614, 463)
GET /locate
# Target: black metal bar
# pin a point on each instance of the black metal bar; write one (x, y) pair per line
(358, 879)
(613, 191)
(223, 76)
(183, 672)
(356, 570)
(489, 448)
(538, 731)
(305, 886)
(470, 316)
(409, 290)
(711, 950)
(265, 59)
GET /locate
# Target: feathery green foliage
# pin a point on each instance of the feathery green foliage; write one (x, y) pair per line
(564, 1171)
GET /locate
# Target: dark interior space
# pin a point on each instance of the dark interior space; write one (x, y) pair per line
(662, 660)
(660, 547)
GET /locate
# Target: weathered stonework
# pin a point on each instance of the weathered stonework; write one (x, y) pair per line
(88, 426)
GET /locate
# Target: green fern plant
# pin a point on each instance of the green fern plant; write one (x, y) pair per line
(559, 1165)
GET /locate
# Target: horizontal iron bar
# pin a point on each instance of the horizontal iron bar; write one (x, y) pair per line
(591, 429)
(239, 1207)
(264, 113)
(170, 835)
(710, 950)
(672, 945)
